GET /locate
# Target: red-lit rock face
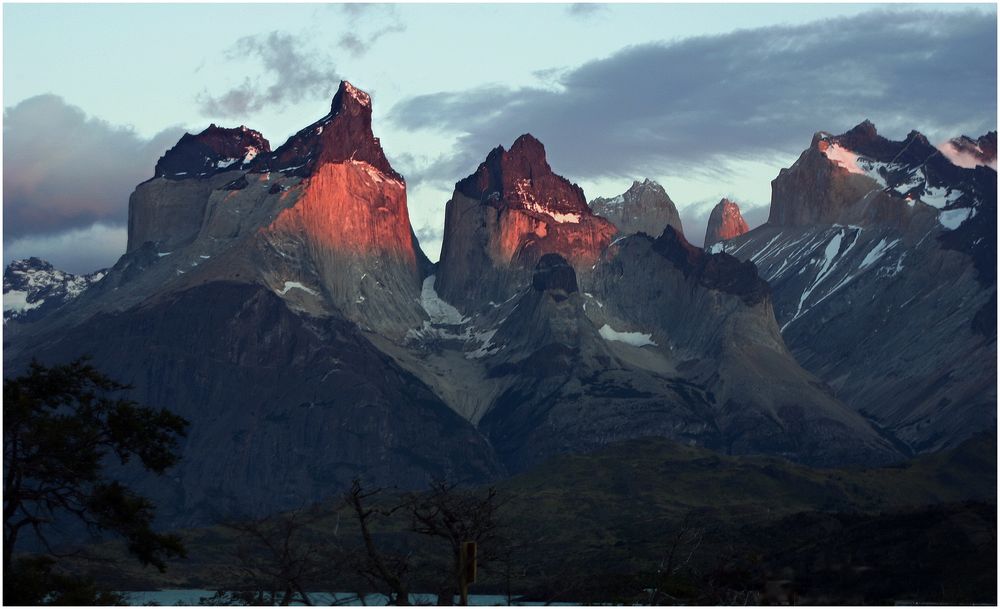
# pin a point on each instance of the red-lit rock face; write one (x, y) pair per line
(351, 208)
(726, 222)
(507, 215)
(322, 221)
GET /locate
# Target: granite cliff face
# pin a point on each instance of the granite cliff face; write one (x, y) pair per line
(322, 220)
(644, 208)
(882, 260)
(725, 222)
(504, 217)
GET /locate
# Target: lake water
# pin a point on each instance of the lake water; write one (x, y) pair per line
(191, 597)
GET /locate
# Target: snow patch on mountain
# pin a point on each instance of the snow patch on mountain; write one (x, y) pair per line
(437, 309)
(295, 285)
(636, 339)
(953, 218)
(363, 98)
(16, 300)
(877, 252)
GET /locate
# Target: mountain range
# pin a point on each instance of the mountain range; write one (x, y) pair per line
(280, 301)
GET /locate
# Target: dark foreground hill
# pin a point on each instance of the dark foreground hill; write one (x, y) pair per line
(601, 527)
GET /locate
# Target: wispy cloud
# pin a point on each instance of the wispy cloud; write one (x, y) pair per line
(586, 10)
(368, 23)
(290, 73)
(702, 101)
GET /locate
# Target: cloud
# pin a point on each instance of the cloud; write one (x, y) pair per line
(361, 39)
(585, 10)
(291, 74)
(965, 158)
(698, 103)
(64, 170)
(79, 250)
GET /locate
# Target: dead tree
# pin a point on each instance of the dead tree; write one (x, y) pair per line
(678, 554)
(382, 570)
(277, 557)
(457, 517)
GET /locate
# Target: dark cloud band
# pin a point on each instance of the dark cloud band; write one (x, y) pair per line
(291, 74)
(671, 107)
(64, 170)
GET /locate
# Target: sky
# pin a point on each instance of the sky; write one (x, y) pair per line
(710, 100)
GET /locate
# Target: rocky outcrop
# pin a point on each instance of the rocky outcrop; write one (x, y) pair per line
(725, 222)
(322, 221)
(644, 208)
(213, 150)
(504, 217)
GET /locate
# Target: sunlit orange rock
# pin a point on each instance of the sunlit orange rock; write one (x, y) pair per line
(725, 222)
(508, 214)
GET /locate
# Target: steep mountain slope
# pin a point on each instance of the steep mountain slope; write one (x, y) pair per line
(285, 408)
(504, 217)
(644, 208)
(725, 222)
(243, 303)
(32, 288)
(658, 349)
(882, 259)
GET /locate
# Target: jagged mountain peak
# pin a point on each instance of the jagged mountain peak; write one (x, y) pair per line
(530, 148)
(349, 96)
(865, 129)
(725, 222)
(345, 134)
(862, 178)
(213, 150)
(644, 208)
(646, 184)
(32, 287)
(503, 218)
(521, 178)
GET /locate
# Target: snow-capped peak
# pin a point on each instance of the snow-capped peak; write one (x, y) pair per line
(32, 287)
